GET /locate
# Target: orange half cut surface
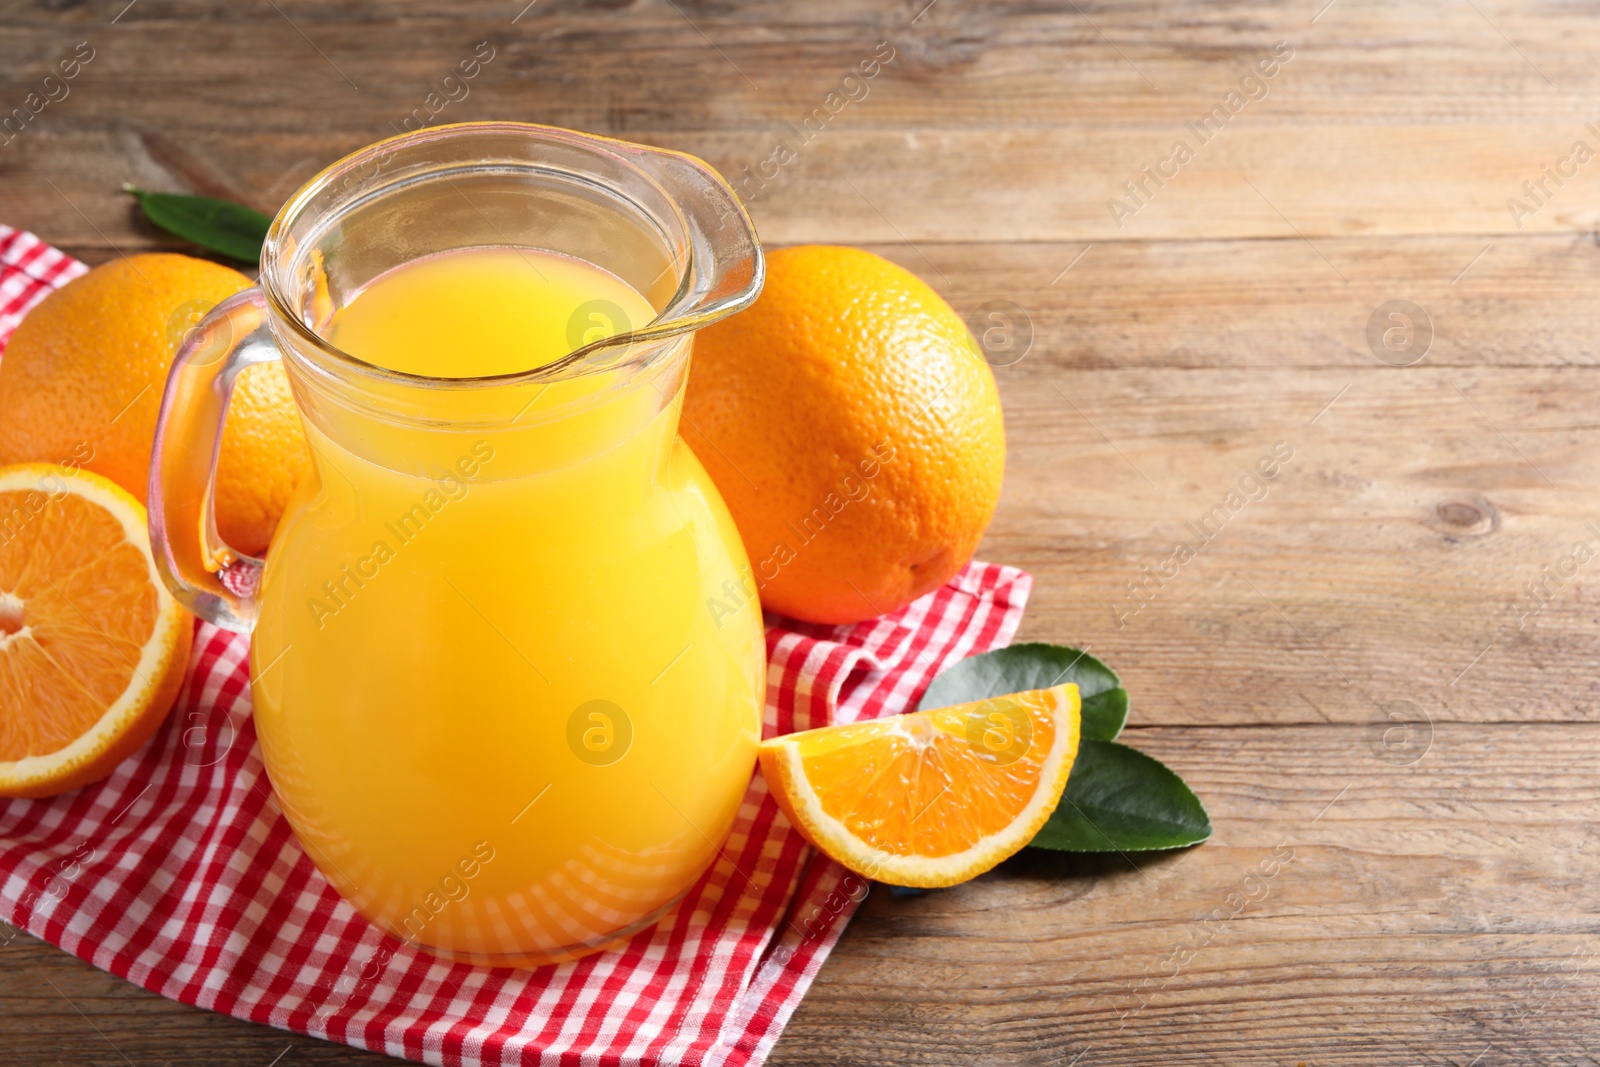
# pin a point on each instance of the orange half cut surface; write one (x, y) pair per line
(92, 646)
(931, 798)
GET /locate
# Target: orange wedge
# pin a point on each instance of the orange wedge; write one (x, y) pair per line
(931, 798)
(92, 646)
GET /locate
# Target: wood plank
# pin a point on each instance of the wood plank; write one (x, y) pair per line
(1352, 136)
(1390, 558)
(1045, 185)
(999, 66)
(1273, 304)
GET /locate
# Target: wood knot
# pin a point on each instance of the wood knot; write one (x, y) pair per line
(1466, 516)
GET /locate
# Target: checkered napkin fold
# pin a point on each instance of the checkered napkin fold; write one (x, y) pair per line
(180, 873)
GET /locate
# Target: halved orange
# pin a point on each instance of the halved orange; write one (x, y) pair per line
(92, 646)
(931, 798)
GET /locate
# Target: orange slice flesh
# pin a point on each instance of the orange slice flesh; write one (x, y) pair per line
(931, 798)
(92, 646)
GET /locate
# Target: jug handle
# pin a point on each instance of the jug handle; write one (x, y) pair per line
(206, 575)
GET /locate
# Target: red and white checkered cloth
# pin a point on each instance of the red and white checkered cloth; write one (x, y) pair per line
(179, 872)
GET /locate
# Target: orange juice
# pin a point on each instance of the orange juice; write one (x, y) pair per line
(508, 675)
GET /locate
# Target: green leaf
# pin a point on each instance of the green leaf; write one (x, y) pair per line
(1117, 799)
(1036, 666)
(220, 225)
(1120, 800)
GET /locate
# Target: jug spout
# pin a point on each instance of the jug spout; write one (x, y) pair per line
(717, 258)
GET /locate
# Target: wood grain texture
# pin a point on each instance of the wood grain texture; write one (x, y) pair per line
(1348, 911)
(1369, 898)
(1420, 119)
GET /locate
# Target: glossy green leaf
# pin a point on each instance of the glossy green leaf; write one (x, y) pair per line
(1020, 668)
(220, 225)
(1120, 800)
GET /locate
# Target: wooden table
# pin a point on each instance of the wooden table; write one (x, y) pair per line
(1383, 666)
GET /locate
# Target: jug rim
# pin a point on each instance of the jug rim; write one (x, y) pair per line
(653, 338)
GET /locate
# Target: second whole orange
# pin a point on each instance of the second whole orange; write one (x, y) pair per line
(82, 378)
(854, 429)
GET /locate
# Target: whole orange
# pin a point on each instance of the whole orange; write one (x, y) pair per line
(81, 384)
(854, 430)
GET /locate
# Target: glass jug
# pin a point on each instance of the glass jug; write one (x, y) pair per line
(492, 696)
